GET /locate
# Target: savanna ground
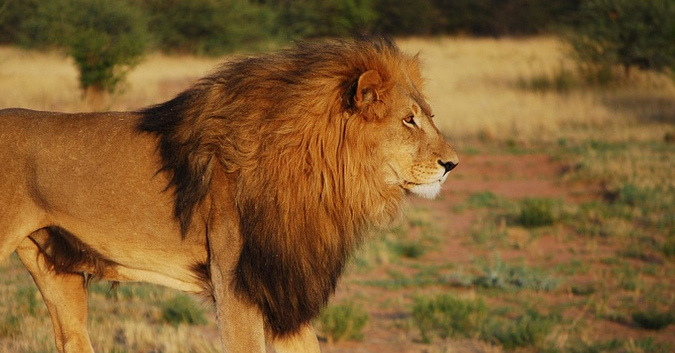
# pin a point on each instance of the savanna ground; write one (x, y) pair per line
(555, 234)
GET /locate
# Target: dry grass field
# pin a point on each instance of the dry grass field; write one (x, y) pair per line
(555, 234)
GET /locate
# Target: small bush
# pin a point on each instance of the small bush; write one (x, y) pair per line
(28, 299)
(10, 326)
(536, 212)
(448, 316)
(343, 321)
(105, 38)
(530, 329)
(653, 319)
(668, 247)
(502, 275)
(562, 81)
(485, 199)
(409, 249)
(182, 309)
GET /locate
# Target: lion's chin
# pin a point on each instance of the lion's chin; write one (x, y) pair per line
(428, 191)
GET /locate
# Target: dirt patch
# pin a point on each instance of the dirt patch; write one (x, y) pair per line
(512, 177)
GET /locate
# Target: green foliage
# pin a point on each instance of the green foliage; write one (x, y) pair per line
(530, 329)
(12, 15)
(396, 17)
(105, 38)
(485, 199)
(499, 17)
(182, 309)
(214, 27)
(448, 316)
(627, 33)
(10, 326)
(562, 80)
(208, 27)
(502, 275)
(536, 212)
(343, 321)
(653, 319)
(27, 297)
(312, 18)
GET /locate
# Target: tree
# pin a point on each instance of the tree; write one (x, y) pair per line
(105, 38)
(208, 27)
(626, 32)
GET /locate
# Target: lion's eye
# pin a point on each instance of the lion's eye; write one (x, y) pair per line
(410, 120)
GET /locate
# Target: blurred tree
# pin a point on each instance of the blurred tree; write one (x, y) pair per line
(408, 17)
(105, 39)
(208, 27)
(12, 15)
(627, 33)
(323, 18)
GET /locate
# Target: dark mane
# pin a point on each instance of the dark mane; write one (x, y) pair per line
(287, 125)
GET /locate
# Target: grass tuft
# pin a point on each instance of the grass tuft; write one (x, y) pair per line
(343, 321)
(10, 326)
(181, 309)
(653, 319)
(536, 212)
(448, 316)
(501, 275)
(530, 329)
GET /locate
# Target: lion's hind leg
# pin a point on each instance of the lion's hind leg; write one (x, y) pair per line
(65, 295)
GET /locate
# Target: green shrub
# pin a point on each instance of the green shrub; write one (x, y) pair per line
(530, 329)
(409, 249)
(501, 275)
(182, 309)
(625, 32)
(105, 38)
(668, 247)
(324, 18)
(10, 326)
(561, 81)
(448, 316)
(653, 319)
(343, 321)
(28, 298)
(536, 212)
(485, 199)
(208, 27)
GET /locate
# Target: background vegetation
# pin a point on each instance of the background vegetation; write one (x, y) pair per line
(107, 38)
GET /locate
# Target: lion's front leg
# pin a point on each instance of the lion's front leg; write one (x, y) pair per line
(240, 324)
(304, 341)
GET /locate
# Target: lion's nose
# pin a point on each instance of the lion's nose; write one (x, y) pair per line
(447, 165)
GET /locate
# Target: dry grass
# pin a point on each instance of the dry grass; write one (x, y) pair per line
(472, 85)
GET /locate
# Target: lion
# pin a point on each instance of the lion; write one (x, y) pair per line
(250, 188)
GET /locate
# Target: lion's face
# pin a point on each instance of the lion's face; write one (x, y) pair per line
(418, 158)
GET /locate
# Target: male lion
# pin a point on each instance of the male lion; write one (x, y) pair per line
(251, 187)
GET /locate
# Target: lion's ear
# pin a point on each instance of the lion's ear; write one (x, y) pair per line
(367, 88)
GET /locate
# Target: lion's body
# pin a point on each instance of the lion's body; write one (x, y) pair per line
(251, 188)
(67, 178)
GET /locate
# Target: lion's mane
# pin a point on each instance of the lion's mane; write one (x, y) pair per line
(308, 174)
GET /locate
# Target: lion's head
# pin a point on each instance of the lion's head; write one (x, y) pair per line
(322, 141)
(416, 157)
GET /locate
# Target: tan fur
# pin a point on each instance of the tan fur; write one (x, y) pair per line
(252, 187)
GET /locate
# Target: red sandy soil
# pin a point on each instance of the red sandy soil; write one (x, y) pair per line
(510, 176)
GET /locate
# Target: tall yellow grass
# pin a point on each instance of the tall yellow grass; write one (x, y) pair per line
(471, 84)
